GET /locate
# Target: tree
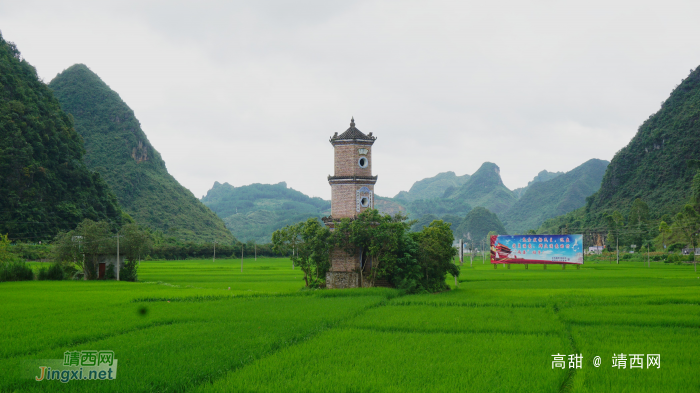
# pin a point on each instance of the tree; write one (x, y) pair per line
(311, 239)
(377, 235)
(695, 188)
(615, 223)
(688, 222)
(638, 223)
(5, 255)
(665, 230)
(83, 246)
(435, 254)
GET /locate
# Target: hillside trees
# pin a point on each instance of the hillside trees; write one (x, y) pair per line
(44, 185)
(688, 222)
(120, 151)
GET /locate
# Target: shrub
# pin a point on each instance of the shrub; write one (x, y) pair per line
(15, 271)
(676, 247)
(55, 272)
(42, 273)
(673, 258)
(129, 272)
(109, 272)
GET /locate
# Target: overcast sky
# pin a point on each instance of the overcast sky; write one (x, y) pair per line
(249, 92)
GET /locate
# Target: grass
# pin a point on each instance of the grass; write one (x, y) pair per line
(181, 329)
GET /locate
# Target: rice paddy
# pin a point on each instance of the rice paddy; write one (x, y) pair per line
(203, 326)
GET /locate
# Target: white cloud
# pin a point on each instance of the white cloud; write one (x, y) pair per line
(245, 92)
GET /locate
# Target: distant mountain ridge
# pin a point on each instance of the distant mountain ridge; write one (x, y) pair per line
(541, 177)
(254, 211)
(560, 195)
(119, 150)
(432, 187)
(485, 188)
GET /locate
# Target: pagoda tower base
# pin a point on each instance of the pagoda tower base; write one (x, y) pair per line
(342, 280)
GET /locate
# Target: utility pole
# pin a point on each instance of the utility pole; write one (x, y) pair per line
(617, 247)
(471, 254)
(242, 257)
(256, 251)
(461, 253)
(648, 262)
(214, 258)
(117, 255)
(483, 252)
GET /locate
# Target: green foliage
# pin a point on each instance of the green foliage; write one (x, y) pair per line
(54, 272)
(44, 185)
(423, 222)
(688, 223)
(477, 224)
(432, 187)
(255, 211)
(90, 242)
(110, 272)
(129, 272)
(653, 166)
(310, 242)
(6, 255)
(383, 238)
(15, 271)
(83, 247)
(135, 244)
(435, 254)
(119, 150)
(551, 198)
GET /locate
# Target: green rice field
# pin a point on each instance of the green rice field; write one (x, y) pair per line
(204, 326)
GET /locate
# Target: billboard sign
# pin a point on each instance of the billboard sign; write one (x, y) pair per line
(531, 249)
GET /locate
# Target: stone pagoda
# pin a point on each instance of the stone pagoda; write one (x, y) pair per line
(352, 191)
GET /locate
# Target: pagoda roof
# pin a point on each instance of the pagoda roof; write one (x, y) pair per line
(352, 133)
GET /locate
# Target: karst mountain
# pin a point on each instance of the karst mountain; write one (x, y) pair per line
(119, 150)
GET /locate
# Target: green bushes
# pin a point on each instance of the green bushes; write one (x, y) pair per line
(15, 271)
(129, 272)
(53, 272)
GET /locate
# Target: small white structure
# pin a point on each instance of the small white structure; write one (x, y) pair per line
(596, 249)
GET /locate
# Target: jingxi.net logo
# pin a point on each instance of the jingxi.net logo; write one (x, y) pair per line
(75, 366)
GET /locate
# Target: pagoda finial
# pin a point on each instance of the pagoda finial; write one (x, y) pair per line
(352, 121)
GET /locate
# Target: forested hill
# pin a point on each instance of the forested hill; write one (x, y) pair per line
(118, 149)
(484, 188)
(653, 166)
(560, 195)
(432, 187)
(44, 184)
(541, 177)
(254, 211)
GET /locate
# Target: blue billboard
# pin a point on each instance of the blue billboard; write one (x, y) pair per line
(530, 249)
